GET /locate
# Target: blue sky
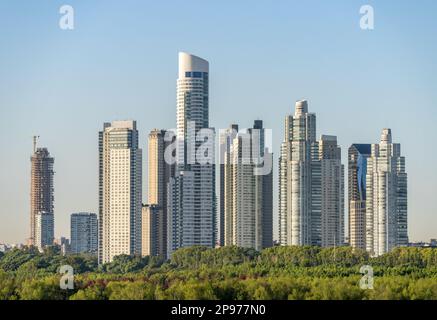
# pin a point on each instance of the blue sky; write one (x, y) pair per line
(120, 62)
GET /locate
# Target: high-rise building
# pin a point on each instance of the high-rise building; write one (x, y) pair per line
(386, 201)
(150, 230)
(181, 223)
(300, 180)
(195, 154)
(41, 186)
(64, 244)
(332, 192)
(84, 233)
(357, 171)
(4, 247)
(225, 230)
(120, 190)
(160, 172)
(44, 229)
(248, 193)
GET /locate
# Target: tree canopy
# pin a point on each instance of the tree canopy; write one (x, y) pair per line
(230, 273)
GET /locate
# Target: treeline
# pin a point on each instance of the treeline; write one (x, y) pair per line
(225, 273)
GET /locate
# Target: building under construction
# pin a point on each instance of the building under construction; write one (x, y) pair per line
(41, 187)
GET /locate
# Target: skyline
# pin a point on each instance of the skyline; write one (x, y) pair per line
(80, 180)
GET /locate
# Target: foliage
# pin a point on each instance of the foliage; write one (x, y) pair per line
(7, 287)
(197, 256)
(42, 289)
(50, 261)
(13, 259)
(125, 264)
(124, 290)
(229, 273)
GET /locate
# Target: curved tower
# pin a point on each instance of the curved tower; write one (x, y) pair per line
(192, 113)
(191, 212)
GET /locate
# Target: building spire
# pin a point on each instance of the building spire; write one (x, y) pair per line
(35, 142)
(386, 135)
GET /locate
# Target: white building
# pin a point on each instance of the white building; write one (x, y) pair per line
(386, 204)
(84, 233)
(4, 247)
(44, 229)
(199, 219)
(120, 190)
(248, 193)
(224, 231)
(300, 180)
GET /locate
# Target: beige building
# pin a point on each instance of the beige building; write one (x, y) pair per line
(225, 219)
(120, 190)
(150, 230)
(160, 172)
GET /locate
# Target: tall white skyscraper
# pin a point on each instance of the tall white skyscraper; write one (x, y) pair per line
(332, 192)
(386, 203)
(300, 180)
(195, 160)
(248, 193)
(84, 233)
(120, 190)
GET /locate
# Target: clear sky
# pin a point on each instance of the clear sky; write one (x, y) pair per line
(120, 62)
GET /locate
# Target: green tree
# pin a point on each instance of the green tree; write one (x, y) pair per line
(130, 291)
(43, 289)
(14, 258)
(94, 292)
(7, 286)
(125, 263)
